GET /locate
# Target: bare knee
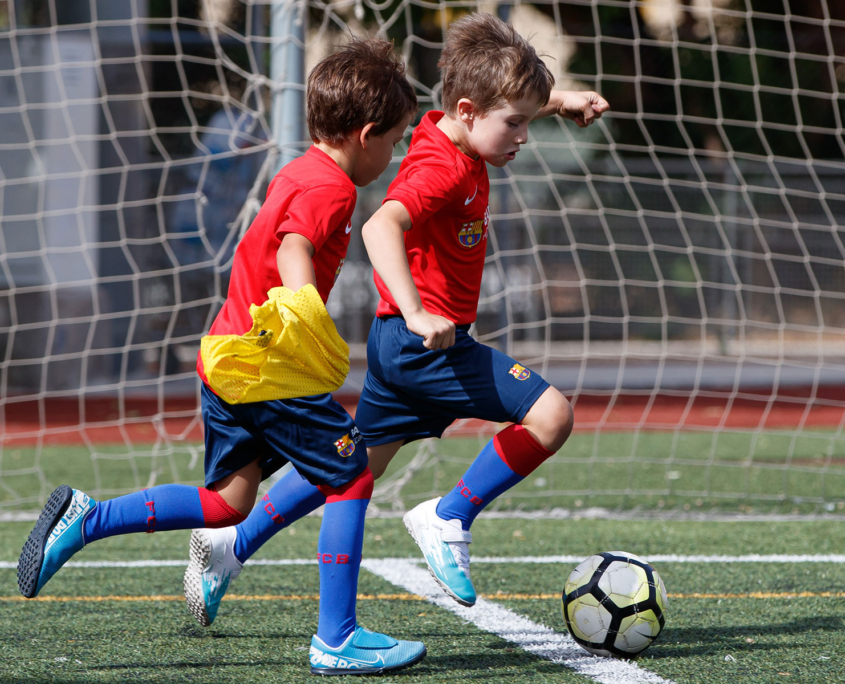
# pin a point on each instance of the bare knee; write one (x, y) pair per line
(550, 419)
(240, 488)
(240, 501)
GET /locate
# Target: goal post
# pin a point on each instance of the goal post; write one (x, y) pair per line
(677, 269)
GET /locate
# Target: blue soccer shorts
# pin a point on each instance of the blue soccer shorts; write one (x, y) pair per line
(411, 392)
(315, 434)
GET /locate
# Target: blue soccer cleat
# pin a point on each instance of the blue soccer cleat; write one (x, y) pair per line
(364, 653)
(57, 535)
(444, 544)
(211, 568)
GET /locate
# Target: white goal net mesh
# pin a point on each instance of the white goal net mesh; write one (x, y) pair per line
(677, 270)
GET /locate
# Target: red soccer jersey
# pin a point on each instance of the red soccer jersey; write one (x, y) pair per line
(311, 196)
(446, 194)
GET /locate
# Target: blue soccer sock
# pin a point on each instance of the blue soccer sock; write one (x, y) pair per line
(166, 507)
(486, 478)
(339, 556)
(506, 460)
(288, 500)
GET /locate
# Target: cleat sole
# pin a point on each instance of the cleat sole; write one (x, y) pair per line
(32, 554)
(445, 587)
(200, 557)
(337, 672)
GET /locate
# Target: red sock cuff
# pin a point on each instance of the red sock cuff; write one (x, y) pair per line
(522, 453)
(216, 512)
(359, 488)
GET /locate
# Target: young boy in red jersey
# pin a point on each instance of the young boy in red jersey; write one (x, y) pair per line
(427, 244)
(359, 106)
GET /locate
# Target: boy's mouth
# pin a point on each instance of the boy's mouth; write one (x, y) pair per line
(511, 155)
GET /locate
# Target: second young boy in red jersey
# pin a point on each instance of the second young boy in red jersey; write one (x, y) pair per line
(359, 105)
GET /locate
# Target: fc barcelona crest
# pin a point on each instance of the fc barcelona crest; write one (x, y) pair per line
(520, 372)
(471, 233)
(345, 446)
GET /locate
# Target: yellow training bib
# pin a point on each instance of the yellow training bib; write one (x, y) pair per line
(292, 350)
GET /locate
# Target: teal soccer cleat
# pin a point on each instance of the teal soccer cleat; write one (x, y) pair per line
(364, 653)
(57, 535)
(444, 544)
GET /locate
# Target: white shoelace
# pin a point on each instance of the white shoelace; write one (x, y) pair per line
(461, 552)
(458, 540)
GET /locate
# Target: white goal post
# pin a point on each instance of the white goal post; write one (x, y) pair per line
(677, 270)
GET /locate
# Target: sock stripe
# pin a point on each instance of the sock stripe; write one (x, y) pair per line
(359, 488)
(216, 512)
(519, 450)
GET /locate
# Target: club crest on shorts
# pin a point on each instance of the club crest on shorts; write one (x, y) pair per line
(345, 446)
(471, 233)
(520, 372)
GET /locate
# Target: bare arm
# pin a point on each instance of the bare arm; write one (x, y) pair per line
(384, 239)
(581, 107)
(293, 259)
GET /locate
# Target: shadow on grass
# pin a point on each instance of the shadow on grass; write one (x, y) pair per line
(713, 640)
(200, 633)
(200, 664)
(504, 665)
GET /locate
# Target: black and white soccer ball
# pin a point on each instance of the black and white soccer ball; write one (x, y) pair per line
(614, 604)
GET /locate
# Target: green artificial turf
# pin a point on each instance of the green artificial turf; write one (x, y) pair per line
(774, 471)
(706, 640)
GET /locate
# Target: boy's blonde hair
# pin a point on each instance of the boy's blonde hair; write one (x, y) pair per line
(488, 62)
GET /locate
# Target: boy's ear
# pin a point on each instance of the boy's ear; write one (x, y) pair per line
(466, 110)
(364, 135)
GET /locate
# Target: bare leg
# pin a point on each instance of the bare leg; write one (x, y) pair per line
(380, 457)
(241, 487)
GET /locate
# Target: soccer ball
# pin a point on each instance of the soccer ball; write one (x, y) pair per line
(614, 604)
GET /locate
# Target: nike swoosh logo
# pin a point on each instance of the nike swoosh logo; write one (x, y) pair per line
(379, 660)
(470, 199)
(348, 228)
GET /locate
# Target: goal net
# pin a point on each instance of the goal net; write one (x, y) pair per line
(677, 269)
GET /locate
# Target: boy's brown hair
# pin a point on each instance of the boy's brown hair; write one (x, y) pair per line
(488, 62)
(362, 82)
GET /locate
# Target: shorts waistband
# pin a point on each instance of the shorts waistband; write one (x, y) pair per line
(464, 327)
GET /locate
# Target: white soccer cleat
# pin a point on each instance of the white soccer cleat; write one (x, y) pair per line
(445, 547)
(212, 566)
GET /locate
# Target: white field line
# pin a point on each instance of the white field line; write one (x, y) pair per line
(752, 558)
(528, 635)
(749, 558)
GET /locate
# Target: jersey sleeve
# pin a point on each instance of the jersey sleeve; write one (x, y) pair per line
(424, 190)
(316, 213)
